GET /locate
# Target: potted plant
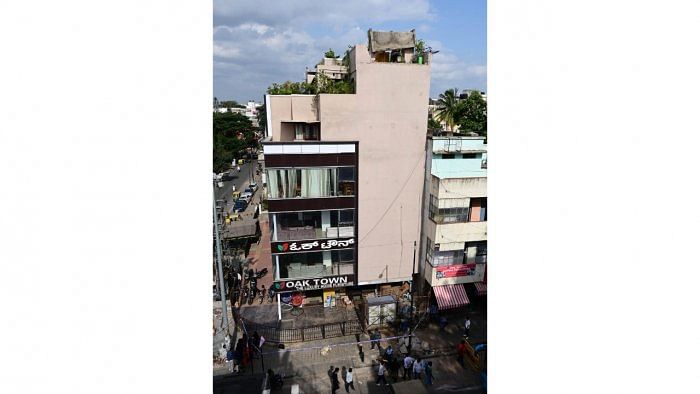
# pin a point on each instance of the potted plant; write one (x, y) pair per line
(419, 51)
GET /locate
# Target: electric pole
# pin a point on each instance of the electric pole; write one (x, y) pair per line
(413, 277)
(222, 286)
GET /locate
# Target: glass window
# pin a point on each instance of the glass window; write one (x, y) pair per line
(311, 182)
(346, 217)
(346, 181)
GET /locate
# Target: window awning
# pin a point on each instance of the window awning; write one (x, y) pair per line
(450, 296)
(480, 288)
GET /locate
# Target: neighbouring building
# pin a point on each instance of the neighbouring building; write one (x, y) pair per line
(250, 111)
(330, 67)
(453, 245)
(345, 173)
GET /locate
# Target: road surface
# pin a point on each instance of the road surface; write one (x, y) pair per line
(240, 179)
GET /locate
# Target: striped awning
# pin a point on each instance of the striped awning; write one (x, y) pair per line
(450, 296)
(480, 288)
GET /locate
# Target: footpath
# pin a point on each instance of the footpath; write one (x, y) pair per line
(307, 363)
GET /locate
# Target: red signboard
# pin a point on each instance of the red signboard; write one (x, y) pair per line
(453, 271)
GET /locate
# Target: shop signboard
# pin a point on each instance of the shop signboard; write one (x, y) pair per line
(311, 245)
(328, 282)
(454, 271)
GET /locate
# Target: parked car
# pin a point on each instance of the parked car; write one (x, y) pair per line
(240, 204)
(246, 196)
(249, 190)
(253, 186)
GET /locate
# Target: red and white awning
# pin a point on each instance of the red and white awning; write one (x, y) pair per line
(480, 288)
(450, 296)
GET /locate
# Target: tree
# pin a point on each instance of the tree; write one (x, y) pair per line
(434, 126)
(227, 145)
(329, 53)
(449, 108)
(262, 117)
(323, 84)
(290, 87)
(473, 115)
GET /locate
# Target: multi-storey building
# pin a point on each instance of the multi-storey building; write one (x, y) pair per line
(344, 174)
(453, 246)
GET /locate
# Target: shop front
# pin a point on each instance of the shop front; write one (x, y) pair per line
(325, 291)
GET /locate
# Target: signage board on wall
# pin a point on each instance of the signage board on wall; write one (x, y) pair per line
(453, 271)
(311, 245)
(313, 284)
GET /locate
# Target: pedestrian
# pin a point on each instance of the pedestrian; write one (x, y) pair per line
(343, 373)
(373, 339)
(389, 353)
(349, 380)
(467, 325)
(378, 338)
(429, 373)
(417, 369)
(256, 339)
(330, 373)
(407, 366)
(230, 356)
(394, 366)
(335, 383)
(380, 374)
(461, 351)
(443, 323)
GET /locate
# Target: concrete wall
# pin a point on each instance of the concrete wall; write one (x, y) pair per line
(387, 116)
(461, 187)
(288, 108)
(460, 232)
(457, 167)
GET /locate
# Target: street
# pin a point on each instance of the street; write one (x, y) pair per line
(240, 179)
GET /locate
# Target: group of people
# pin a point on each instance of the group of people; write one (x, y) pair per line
(346, 375)
(412, 369)
(244, 351)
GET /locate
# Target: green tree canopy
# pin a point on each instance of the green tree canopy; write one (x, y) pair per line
(227, 145)
(434, 126)
(290, 87)
(329, 53)
(473, 114)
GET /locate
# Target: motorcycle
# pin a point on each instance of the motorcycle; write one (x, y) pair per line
(261, 273)
(262, 294)
(270, 294)
(244, 293)
(253, 290)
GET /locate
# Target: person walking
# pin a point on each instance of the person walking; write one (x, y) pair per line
(349, 380)
(467, 325)
(461, 351)
(389, 353)
(417, 369)
(344, 373)
(230, 356)
(429, 373)
(407, 366)
(381, 374)
(443, 323)
(335, 383)
(330, 374)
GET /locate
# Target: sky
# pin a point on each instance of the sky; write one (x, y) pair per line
(257, 43)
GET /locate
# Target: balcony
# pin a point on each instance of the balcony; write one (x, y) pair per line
(315, 264)
(296, 226)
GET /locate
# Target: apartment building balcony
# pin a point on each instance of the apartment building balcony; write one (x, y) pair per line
(293, 226)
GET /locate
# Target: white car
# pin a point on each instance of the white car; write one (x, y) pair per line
(253, 186)
(246, 197)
